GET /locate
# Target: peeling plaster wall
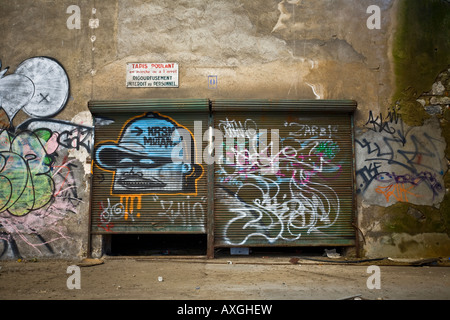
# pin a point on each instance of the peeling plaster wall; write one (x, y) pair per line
(278, 50)
(258, 50)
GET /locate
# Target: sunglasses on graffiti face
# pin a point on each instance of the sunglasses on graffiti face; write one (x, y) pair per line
(143, 162)
(139, 173)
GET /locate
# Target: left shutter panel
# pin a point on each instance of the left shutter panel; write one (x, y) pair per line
(147, 171)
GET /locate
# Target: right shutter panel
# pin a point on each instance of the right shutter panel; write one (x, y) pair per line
(301, 196)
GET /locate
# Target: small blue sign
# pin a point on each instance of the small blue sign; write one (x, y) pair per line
(212, 82)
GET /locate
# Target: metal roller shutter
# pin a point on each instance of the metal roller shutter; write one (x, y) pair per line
(300, 193)
(147, 177)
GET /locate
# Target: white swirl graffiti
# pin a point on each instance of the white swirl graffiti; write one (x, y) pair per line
(286, 197)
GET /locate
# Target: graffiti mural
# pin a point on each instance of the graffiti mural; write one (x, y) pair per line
(396, 162)
(184, 212)
(285, 194)
(25, 180)
(148, 174)
(39, 87)
(37, 178)
(152, 156)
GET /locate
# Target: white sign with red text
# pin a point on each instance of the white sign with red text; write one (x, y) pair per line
(152, 75)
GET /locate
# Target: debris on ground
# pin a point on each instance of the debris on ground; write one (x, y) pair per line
(87, 262)
(426, 262)
(332, 254)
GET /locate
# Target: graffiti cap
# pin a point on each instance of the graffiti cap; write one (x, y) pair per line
(150, 137)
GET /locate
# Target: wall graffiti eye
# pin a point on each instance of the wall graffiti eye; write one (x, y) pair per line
(126, 162)
(154, 163)
(384, 177)
(146, 162)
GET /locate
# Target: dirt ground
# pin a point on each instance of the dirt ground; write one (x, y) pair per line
(227, 278)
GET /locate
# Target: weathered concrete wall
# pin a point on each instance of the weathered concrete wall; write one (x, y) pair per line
(258, 50)
(402, 172)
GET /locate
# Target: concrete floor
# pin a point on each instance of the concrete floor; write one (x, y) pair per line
(224, 278)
